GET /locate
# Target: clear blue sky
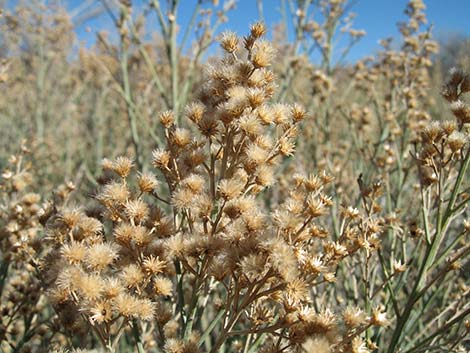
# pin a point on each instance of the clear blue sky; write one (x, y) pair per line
(377, 17)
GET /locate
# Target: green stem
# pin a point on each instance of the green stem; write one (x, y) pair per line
(429, 257)
(130, 112)
(211, 327)
(138, 338)
(173, 56)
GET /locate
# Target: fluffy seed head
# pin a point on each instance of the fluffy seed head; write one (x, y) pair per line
(126, 305)
(136, 210)
(461, 111)
(122, 166)
(161, 158)
(145, 310)
(298, 113)
(354, 317)
(101, 312)
(90, 286)
(315, 207)
(379, 318)
(317, 345)
(147, 182)
(73, 252)
(229, 42)
(456, 141)
(195, 112)
(256, 155)
(256, 97)
(231, 188)
(264, 114)
(112, 287)
(181, 137)
(263, 54)
(163, 286)
(153, 265)
(101, 255)
(194, 182)
(359, 346)
(132, 276)
(114, 193)
(167, 118)
(250, 125)
(258, 30)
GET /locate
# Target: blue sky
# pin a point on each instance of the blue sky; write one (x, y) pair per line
(377, 17)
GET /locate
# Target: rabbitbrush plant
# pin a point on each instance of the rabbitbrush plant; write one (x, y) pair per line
(189, 259)
(227, 243)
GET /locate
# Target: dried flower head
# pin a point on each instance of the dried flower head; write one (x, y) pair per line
(229, 42)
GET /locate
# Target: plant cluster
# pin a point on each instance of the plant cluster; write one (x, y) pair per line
(252, 204)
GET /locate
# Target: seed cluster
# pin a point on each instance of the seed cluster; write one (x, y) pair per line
(259, 203)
